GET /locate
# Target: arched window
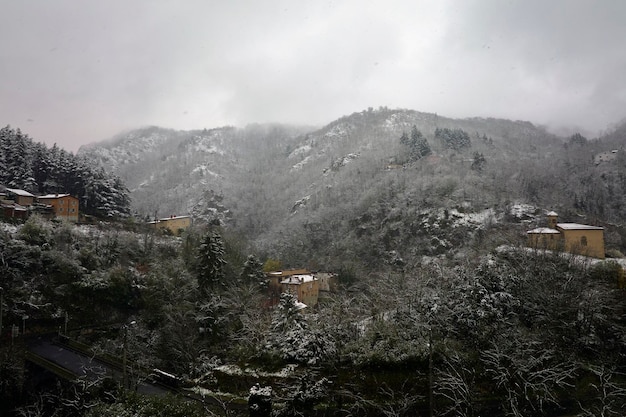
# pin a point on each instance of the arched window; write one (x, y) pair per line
(583, 241)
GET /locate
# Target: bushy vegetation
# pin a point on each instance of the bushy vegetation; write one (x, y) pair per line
(514, 333)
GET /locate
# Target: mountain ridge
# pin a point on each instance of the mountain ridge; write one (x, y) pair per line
(286, 187)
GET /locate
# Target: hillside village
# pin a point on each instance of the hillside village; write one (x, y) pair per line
(20, 204)
(390, 263)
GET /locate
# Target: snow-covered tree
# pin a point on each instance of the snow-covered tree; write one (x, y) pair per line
(253, 272)
(210, 262)
(292, 339)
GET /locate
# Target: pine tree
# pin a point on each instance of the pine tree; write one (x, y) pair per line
(210, 262)
(417, 145)
(479, 162)
(253, 272)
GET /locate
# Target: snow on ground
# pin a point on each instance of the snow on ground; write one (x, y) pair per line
(338, 130)
(203, 392)
(8, 228)
(578, 259)
(300, 151)
(205, 148)
(481, 218)
(521, 211)
(236, 370)
(300, 164)
(204, 170)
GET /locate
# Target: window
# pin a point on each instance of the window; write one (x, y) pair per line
(60, 209)
(583, 241)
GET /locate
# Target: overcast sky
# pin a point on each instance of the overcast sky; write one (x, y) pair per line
(74, 72)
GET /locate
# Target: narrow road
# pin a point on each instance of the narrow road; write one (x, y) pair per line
(85, 366)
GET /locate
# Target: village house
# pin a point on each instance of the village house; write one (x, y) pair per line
(9, 209)
(19, 204)
(580, 239)
(305, 285)
(21, 197)
(174, 224)
(64, 206)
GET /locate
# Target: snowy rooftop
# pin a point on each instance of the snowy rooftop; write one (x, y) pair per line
(552, 213)
(20, 192)
(173, 218)
(544, 230)
(298, 279)
(576, 226)
(47, 196)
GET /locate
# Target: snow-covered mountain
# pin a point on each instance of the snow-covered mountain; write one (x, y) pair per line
(349, 185)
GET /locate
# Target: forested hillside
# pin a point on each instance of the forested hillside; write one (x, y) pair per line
(510, 333)
(368, 185)
(439, 308)
(31, 166)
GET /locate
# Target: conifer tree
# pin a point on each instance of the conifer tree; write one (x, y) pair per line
(210, 262)
(253, 271)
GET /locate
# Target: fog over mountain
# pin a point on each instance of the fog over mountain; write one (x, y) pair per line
(75, 72)
(355, 182)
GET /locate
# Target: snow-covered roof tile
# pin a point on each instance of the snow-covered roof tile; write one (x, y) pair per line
(543, 230)
(20, 192)
(173, 218)
(50, 196)
(552, 213)
(576, 226)
(298, 279)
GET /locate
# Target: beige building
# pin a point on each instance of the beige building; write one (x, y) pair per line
(581, 239)
(64, 206)
(174, 224)
(305, 287)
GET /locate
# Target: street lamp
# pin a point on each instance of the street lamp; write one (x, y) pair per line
(124, 377)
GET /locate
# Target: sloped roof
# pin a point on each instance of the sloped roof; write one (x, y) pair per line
(288, 272)
(52, 196)
(576, 226)
(164, 219)
(298, 279)
(544, 231)
(20, 192)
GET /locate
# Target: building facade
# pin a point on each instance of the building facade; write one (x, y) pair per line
(174, 224)
(580, 239)
(64, 206)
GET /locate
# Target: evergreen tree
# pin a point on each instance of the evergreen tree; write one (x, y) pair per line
(33, 167)
(210, 262)
(416, 145)
(577, 139)
(479, 162)
(456, 139)
(253, 271)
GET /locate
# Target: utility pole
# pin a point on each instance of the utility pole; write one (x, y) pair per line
(124, 349)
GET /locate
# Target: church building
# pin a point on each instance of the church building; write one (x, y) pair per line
(580, 239)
